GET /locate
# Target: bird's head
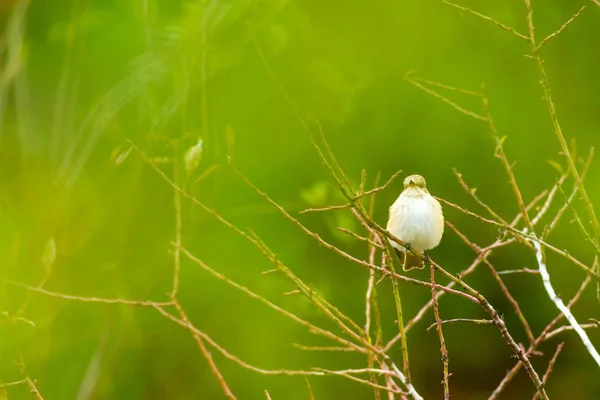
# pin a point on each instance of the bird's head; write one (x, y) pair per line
(415, 181)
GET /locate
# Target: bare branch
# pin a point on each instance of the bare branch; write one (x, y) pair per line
(559, 31)
(444, 99)
(550, 366)
(444, 351)
(89, 299)
(486, 18)
(474, 321)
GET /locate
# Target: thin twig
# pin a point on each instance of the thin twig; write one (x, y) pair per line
(5, 385)
(176, 250)
(32, 388)
(371, 296)
(328, 208)
(194, 330)
(471, 191)
(512, 301)
(474, 321)
(89, 299)
(311, 327)
(443, 350)
(380, 188)
(519, 271)
(501, 154)
(211, 363)
(354, 378)
(323, 348)
(550, 366)
(566, 328)
(559, 30)
(485, 17)
(357, 236)
(444, 99)
(310, 391)
(441, 85)
(528, 237)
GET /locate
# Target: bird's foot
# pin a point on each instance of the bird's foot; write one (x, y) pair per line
(426, 260)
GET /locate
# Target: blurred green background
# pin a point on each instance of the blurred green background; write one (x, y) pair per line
(79, 77)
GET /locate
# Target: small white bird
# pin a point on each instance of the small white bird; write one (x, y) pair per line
(415, 218)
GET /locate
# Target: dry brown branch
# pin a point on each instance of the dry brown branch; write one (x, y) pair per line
(176, 270)
(194, 330)
(484, 253)
(313, 297)
(211, 363)
(559, 30)
(443, 350)
(444, 99)
(371, 296)
(310, 391)
(16, 383)
(486, 18)
(328, 208)
(398, 303)
(512, 372)
(481, 300)
(323, 348)
(356, 379)
(501, 154)
(30, 383)
(357, 236)
(503, 287)
(544, 82)
(176, 250)
(550, 366)
(441, 85)
(89, 299)
(474, 321)
(512, 301)
(562, 210)
(312, 328)
(518, 271)
(378, 188)
(348, 256)
(523, 235)
(565, 328)
(471, 191)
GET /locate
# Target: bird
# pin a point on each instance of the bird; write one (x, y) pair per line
(416, 218)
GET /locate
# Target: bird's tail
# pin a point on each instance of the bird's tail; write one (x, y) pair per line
(409, 261)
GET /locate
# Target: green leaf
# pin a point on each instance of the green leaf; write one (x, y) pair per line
(193, 156)
(556, 166)
(120, 159)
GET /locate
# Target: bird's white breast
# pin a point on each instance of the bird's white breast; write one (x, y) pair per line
(417, 220)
